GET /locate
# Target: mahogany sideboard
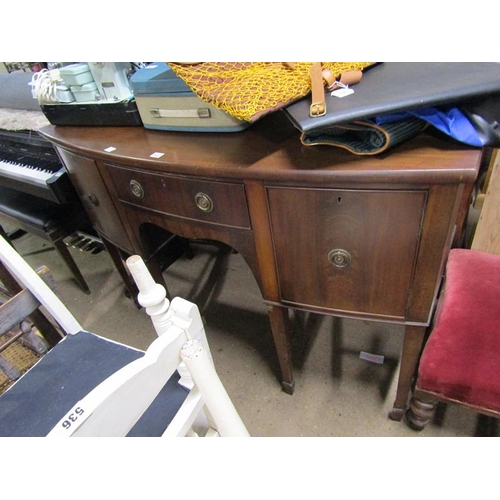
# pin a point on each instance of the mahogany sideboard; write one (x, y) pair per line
(322, 230)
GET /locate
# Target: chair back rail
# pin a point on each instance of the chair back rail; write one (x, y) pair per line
(23, 273)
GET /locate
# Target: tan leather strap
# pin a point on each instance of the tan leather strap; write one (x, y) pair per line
(318, 104)
(318, 79)
(348, 78)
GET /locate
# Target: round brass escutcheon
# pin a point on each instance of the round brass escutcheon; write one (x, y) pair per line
(204, 202)
(339, 257)
(136, 189)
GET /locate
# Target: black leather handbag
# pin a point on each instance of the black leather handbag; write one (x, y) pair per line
(395, 87)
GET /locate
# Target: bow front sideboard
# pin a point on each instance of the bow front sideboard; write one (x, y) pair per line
(321, 229)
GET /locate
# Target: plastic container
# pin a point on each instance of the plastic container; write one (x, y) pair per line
(76, 74)
(64, 94)
(86, 93)
(94, 114)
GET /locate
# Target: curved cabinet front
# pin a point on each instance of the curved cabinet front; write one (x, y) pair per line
(87, 180)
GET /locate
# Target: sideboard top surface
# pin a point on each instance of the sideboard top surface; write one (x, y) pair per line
(270, 150)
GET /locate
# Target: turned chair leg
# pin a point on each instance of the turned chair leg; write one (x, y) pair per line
(420, 413)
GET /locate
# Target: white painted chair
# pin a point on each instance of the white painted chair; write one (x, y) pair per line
(90, 386)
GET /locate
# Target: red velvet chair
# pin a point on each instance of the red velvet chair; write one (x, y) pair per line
(460, 362)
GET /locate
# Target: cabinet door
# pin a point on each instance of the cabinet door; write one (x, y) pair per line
(350, 251)
(88, 182)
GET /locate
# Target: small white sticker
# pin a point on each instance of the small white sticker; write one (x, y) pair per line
(342, 92)
(374, 358)
(110, 149)
(156, 155)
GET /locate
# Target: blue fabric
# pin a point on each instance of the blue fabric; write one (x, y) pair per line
(450, 121)
(67, 373)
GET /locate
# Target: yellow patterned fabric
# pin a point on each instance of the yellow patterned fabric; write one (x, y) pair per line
(248, 90)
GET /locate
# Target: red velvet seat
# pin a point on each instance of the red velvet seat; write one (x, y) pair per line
(461, 359)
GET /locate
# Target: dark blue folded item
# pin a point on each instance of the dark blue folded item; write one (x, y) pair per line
(376, 135)
(450, 121)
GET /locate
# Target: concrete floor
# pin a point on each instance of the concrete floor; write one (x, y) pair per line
(337, 393)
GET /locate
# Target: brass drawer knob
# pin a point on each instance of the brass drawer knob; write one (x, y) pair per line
(339, 257)
(136, 189)
(204, 202)
(93, 199)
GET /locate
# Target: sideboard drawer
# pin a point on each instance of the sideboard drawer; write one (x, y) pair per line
(208, 201)
(346, 250)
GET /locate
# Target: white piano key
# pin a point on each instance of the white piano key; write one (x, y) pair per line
(25, 172)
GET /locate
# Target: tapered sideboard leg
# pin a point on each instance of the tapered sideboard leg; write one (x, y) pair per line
(278, 317)
(412, 345)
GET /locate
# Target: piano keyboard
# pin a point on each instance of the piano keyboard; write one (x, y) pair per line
(37, 173)
(29, 164)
